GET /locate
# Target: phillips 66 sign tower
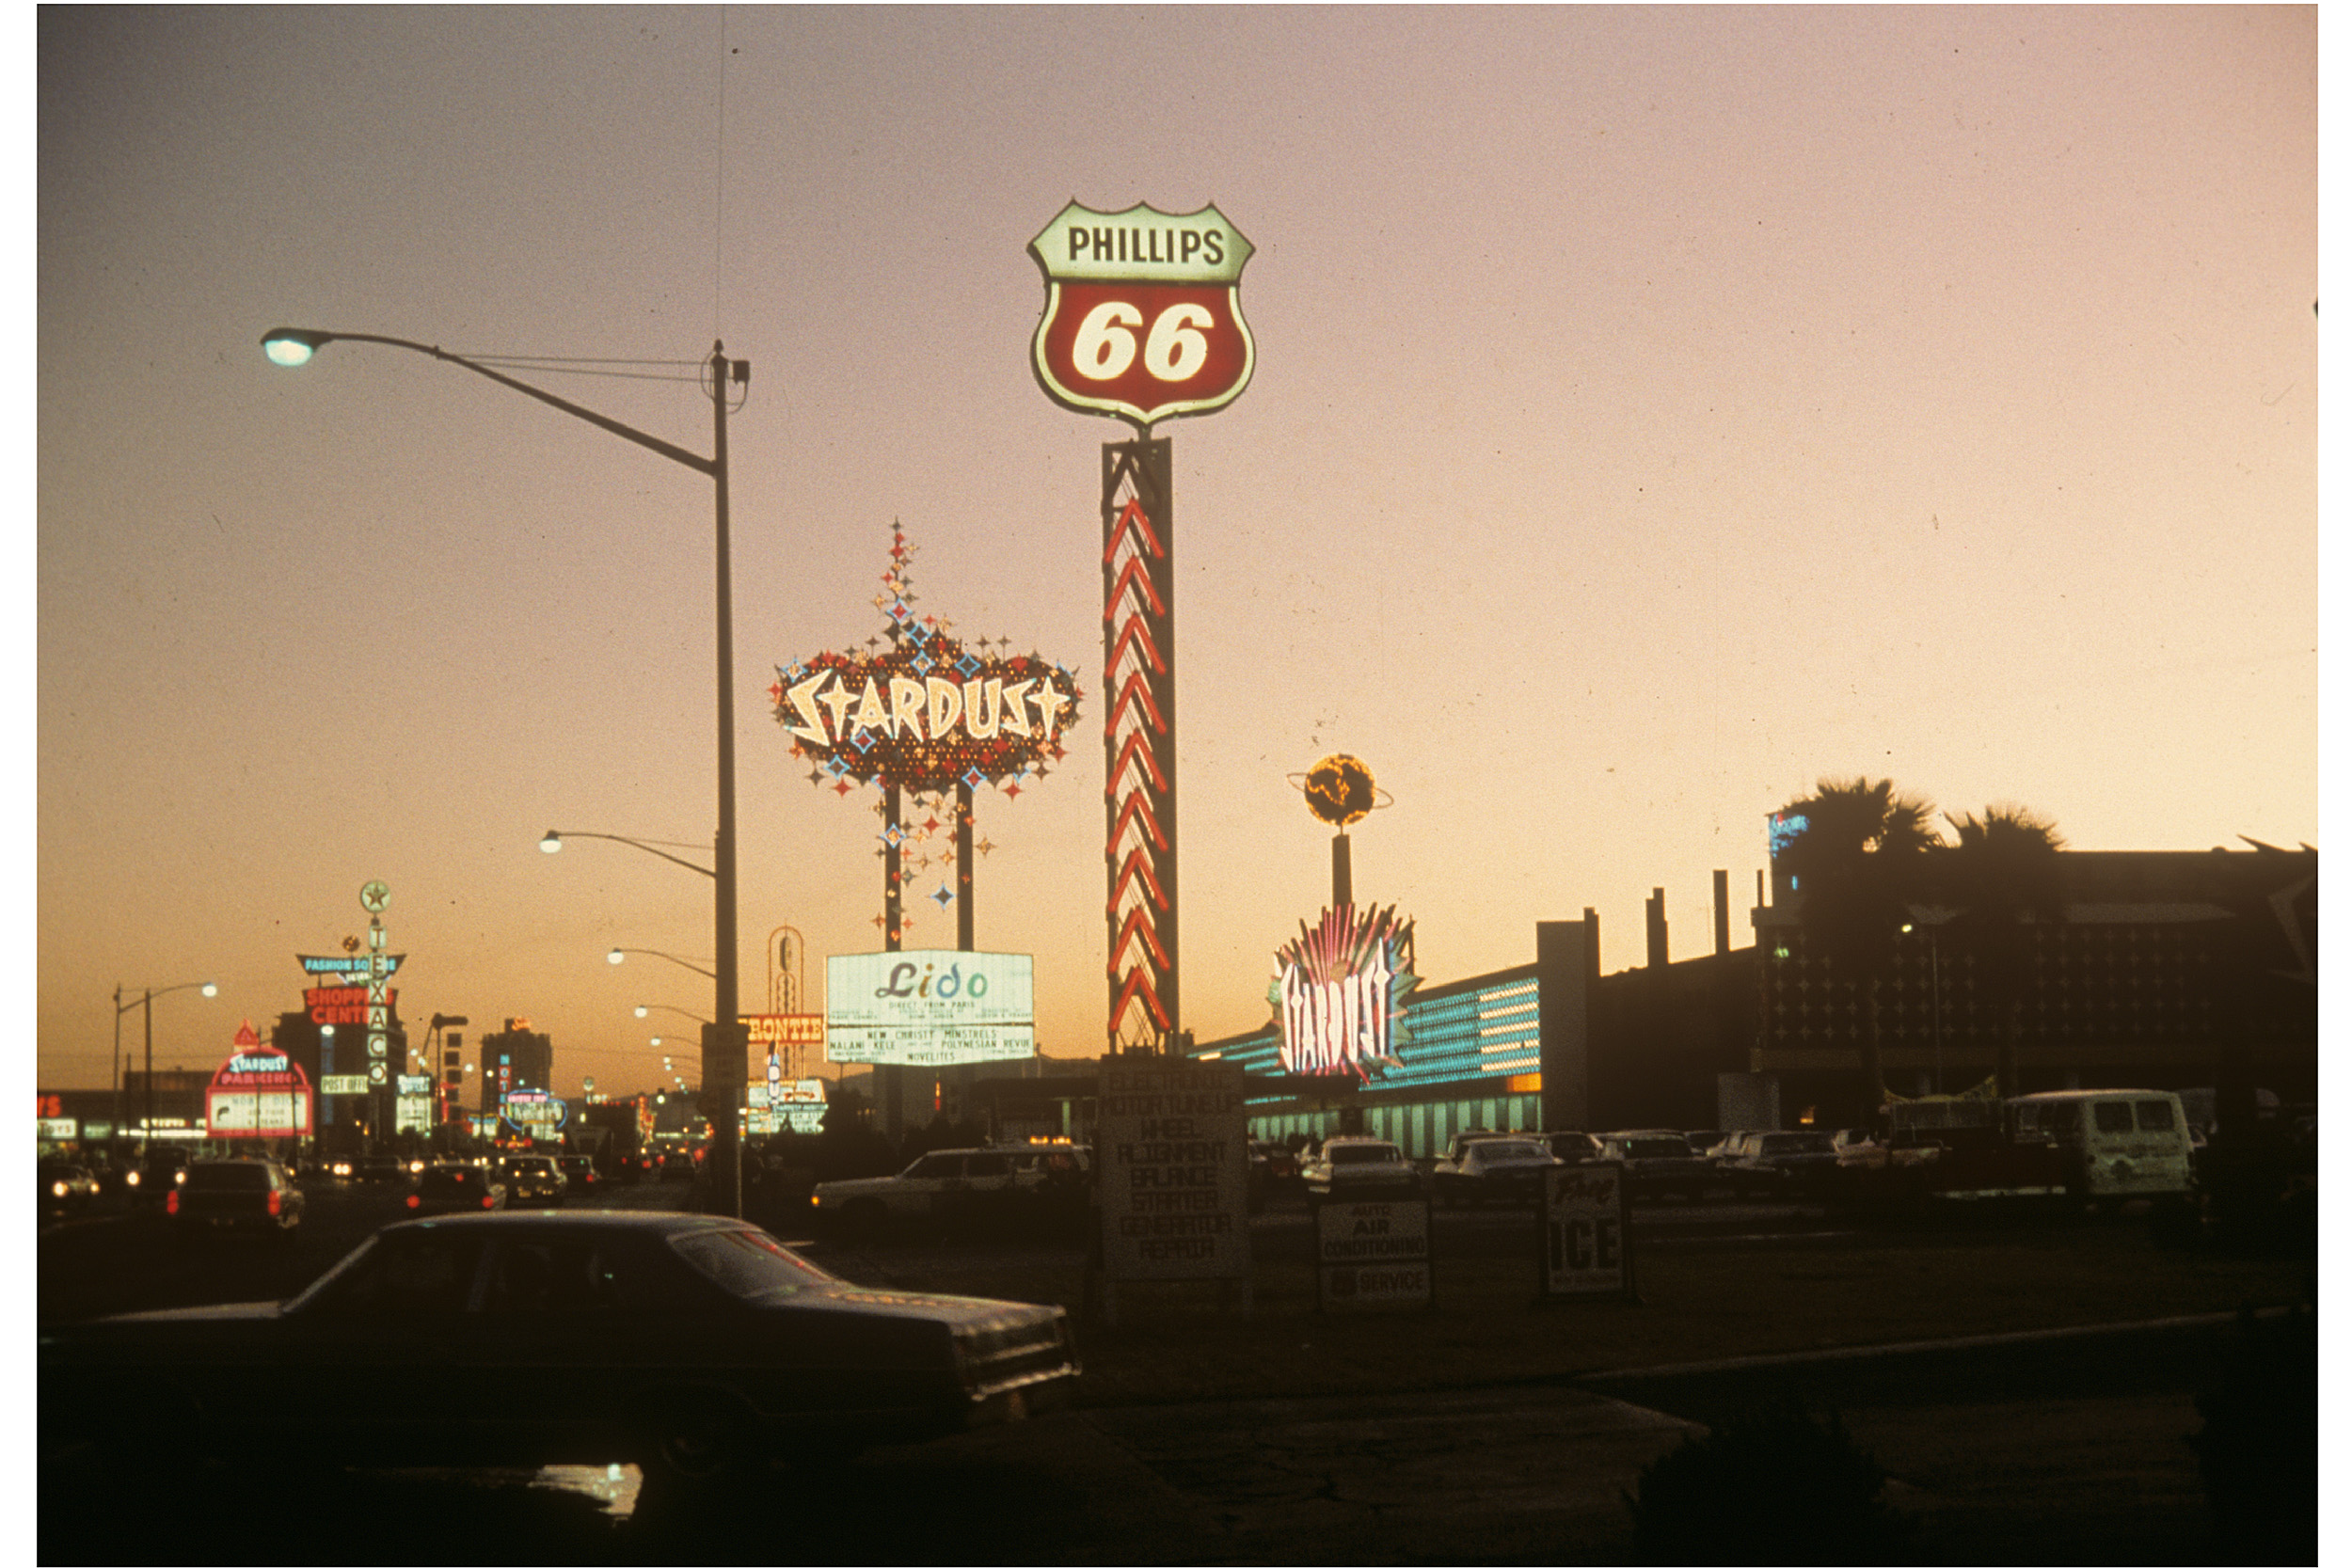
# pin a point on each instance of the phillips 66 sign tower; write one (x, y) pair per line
(1143, 323)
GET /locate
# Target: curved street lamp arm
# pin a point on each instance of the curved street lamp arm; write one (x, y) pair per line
(148, 994)
(676, 454)
(635, 843)
(656, 953)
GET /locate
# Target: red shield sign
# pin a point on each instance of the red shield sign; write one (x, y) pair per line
(1142, 312)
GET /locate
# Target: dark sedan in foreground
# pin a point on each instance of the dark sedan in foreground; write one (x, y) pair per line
(697, 1347)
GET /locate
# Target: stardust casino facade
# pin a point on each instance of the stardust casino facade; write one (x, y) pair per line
(2192, 972)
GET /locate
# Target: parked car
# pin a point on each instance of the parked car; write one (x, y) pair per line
(1359, 1167)
(1494, 1170)
(2115, 1144)
(679, 1165)
(944, 1185)
(1570, 1147)
(1703, 1140)
(457, 1187)
(66, 1186)
(1658, 1162)
(236, 1195)
(531, 1179)
(697, 1347)
(1781, 1164)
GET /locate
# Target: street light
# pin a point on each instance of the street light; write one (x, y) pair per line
(618, 954)
(725, 1057)
(553, 844)
(146, 1004)
(644, 1007)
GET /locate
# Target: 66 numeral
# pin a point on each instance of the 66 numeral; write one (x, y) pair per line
(1174, 350)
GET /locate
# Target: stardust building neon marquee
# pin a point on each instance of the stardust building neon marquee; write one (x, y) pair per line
(1339, 991)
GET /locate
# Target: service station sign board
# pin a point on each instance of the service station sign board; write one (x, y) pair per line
(1142, 312)
(1585, 1252)
(1172, 1167)
(1373, 1254)
(929, 1007)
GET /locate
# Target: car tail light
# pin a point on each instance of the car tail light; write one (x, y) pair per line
(171, 1201)
(488, 1202)
(275, 1199)
(415, 1202)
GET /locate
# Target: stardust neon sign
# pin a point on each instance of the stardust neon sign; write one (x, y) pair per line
(1339, 990)
(928, 714)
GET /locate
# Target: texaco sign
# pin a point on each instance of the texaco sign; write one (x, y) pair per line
(1142, 312)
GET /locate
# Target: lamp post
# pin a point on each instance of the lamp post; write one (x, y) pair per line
(725, 1059)
(618, 954)
(146, 1004)
(644, 1007)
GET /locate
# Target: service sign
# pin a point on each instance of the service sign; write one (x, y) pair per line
(1373, 1254)
(928, 1008)
(1585, 1250)
(1142, 312)
(1172, 1169)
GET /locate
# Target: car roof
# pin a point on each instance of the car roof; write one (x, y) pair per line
(657, 1222)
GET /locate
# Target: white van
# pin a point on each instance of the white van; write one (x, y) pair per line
(2115, 1143)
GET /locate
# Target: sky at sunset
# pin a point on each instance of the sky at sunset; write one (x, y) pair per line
(1656, 410)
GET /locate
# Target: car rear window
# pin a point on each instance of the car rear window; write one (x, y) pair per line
(1795, 1143)
(747, 1263)
(2156, 1116)
(1507, 1148)
(2112, 1116)
(450, 1179)
(229, 1178)
(1657, 1149)
(1364, 1154)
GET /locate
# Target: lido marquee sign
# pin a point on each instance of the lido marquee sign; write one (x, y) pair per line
(1339, 990)
(928, 1008)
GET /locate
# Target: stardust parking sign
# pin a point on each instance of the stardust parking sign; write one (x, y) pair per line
(1142, 312)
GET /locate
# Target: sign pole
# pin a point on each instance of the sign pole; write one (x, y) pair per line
(1140, 739)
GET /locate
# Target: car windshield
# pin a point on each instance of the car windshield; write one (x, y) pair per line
(227, 1178)
(1364, 1154)
(747, 1263)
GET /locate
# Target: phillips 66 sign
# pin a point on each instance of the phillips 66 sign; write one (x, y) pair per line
(1142, 312)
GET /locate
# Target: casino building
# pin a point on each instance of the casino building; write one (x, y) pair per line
(2193, 971)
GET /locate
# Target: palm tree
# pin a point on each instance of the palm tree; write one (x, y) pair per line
(2002, 873)
(1858, 865)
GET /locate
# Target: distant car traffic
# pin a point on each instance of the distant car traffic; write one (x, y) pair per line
(65, 1185)
(380, 1170)
(1493, 1170)
(697, 1347)
(580, 1175)
(1359, 1167)
(531, 1179)
(254, 1196)
(457, 1187)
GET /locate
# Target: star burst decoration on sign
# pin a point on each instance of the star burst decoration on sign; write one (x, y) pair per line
(919, 710)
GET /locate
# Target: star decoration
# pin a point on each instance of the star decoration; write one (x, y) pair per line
(943, 897)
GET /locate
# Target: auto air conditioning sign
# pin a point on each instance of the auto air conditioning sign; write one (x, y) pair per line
(1142, 312)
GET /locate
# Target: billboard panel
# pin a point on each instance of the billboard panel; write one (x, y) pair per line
(928, 1008)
